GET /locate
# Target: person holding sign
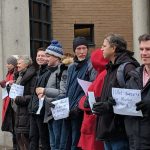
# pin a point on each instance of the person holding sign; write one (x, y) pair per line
(87, 139)
(138, 128)
(24, 77)
(82, 69)
(110, 127)
(55, 87)
(7, 111)
(38, 129)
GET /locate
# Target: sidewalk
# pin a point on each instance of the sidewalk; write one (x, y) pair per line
(5, 148)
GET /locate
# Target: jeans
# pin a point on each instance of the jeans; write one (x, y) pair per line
(120, 144)
(55, 127)
(38, 132)
(70, 134)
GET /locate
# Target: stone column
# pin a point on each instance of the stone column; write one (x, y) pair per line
(14, 40)
(141, 22)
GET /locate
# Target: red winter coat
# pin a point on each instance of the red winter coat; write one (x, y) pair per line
(88, 139)
(7, 109)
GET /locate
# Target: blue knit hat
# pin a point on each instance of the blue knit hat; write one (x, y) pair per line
(55, 49)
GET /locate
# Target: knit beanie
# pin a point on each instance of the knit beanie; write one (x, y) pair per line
(55, 49)
(79, 41)
(12, 60)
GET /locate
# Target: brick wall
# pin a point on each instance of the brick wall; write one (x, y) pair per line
(106, 15)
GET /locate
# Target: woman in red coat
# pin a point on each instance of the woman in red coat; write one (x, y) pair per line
(87, 139)
(7, 110)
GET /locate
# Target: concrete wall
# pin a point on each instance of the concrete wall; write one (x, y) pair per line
(14, 39)
(107, 16)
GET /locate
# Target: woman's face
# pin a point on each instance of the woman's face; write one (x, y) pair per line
(21, 65)
(10, 67)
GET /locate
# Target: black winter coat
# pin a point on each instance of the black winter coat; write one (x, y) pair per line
(22, 113)
(42, 76)
(110, 126)
(138, 128)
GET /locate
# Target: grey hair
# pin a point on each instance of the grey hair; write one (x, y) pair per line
(27, 59)
(118, 41)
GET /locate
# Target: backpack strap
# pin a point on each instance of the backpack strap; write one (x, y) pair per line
(62, 68)
(120, 74)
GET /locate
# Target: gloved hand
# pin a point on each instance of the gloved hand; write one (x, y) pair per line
(75, 112)
(3, 83)
(144, 106)
(101, 108)
(51, 105)
(86, 103)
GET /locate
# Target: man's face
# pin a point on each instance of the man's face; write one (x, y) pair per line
(145, 52)
(108, 51)
(51, 60)
(41, 58)
(81, 52)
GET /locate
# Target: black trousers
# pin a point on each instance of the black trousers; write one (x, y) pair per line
(23, 141)
(39, 135)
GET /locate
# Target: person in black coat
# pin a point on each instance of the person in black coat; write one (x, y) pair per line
(39, 130)
(25, 77)
(138, 128)
(110, 127)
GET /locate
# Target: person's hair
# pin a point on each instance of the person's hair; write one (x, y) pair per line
(144, 37)
(118, 41)
(27, 59)
(40, 49)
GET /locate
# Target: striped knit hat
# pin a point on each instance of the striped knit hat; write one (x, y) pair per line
(55, 49)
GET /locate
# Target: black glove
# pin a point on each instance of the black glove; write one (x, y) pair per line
(52, 105)
(86, 103)
(101, 108)
(75, 112)
(144, 106)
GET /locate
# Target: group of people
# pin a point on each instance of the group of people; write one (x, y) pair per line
(99, 128)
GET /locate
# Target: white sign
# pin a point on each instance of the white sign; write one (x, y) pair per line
(91, 99)
(40, 105)
(4, 93)
(61, 109)
(84, 84)
(126, 100)
(16, 90)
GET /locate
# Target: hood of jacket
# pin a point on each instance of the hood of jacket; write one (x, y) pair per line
(123, 58)
(98, 61)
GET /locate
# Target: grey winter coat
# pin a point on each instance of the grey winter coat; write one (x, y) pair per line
(56, 87)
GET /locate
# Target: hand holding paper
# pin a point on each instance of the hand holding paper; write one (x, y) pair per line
(144, 106)
(16, 90)
(61, 109)
(126, 100)
(40, 105)
(84, 84)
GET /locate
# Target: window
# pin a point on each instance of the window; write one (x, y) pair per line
(40, 24)
(85, 30)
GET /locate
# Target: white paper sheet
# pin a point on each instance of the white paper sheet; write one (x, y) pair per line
(61, 109)
(84, 84)
(126, 100)
(4, 93)
(16, 90)
(40, 105)
(91, 99)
